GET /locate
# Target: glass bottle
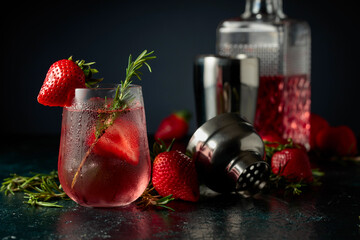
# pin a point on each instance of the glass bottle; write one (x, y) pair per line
(283, 46)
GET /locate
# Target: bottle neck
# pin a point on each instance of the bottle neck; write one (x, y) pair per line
(264, 9)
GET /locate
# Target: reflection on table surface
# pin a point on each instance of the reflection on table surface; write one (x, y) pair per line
(329, 211)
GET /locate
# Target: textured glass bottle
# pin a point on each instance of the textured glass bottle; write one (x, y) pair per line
(283, 46)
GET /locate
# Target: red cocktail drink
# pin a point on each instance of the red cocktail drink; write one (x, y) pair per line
(104, 157)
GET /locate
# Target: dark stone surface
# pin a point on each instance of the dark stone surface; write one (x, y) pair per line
(329, 212)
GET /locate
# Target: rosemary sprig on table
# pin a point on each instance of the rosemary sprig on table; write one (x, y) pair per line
(121, 101)
(39, 188)
(150, 198)
(277, 182)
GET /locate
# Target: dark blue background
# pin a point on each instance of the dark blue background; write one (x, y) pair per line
(36, 34)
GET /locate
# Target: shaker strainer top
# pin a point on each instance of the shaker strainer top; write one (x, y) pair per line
(250, 179)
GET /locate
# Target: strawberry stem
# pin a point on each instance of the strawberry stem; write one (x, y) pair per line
(184, 114)
(90, 82)
(270, 150)
(160, 146)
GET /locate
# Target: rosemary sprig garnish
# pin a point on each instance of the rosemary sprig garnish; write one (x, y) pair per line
(39, 188)
(123, 96)
(120, 102)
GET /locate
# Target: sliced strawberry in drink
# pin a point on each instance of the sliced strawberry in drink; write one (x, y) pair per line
(120, 140)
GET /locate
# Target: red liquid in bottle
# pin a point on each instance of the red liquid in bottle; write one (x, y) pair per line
(283, 107)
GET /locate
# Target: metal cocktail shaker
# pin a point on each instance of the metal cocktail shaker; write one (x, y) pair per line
(229, 155)
(224, 84)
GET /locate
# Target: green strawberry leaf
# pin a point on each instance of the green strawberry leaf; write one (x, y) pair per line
(159, 147)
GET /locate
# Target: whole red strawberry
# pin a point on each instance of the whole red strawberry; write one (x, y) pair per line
(293, 164)
(61, 80)
(174, 173)
(339, 141)
(317, 124)
(176, 125)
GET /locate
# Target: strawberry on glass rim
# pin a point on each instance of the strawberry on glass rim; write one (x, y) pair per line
(62, 78)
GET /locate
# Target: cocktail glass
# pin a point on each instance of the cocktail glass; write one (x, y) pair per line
(104, 156)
